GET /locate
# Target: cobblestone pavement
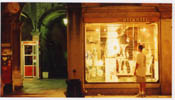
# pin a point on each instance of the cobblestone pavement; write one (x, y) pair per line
(56, 88)
(41, 88)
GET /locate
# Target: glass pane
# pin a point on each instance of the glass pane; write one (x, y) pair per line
(28, 60)
(111, 49)
(28, 49)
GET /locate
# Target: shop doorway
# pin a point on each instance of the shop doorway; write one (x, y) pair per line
(30, 59)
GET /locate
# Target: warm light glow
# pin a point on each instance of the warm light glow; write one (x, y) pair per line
(97, 30)
(99, 63)
(127, 40)
(112, 43)
(112, 32)
(110, 75)
(65, 21)
(112, 53)
(144, 29)
(113, 47)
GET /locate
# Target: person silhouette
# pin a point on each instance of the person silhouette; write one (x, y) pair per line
(140, 71)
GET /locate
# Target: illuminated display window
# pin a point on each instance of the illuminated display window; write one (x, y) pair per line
(111, 49)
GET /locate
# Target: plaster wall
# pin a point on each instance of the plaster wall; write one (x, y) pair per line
(166, 56)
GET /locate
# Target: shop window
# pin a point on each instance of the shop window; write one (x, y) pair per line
(111, 49)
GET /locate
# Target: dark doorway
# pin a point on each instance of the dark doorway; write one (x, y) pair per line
(55, 59)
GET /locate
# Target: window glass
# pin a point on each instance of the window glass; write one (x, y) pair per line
(28, 49)
(111, 49)
(28, 60)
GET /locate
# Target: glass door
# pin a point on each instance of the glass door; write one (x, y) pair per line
(30, 59)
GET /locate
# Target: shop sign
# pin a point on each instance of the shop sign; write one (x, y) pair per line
(121, 19)
(137, 19)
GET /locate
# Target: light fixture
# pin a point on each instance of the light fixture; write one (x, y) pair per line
(65, 21)
(144, 29)
(127, 39)
(97, 30)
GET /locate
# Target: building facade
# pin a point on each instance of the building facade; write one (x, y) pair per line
(102, 42)
(102, 46)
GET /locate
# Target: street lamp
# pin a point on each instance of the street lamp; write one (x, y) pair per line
(65, 21)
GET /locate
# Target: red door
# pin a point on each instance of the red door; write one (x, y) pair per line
(29, 61)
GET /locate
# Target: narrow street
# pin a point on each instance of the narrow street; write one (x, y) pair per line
(41, 88)
(56, 88)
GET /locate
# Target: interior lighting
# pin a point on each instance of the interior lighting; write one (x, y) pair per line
(144, 30)
(97, 30)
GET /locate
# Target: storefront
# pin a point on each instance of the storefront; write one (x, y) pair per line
(111, 48)
(103, 41)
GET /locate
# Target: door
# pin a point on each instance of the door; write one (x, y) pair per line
(30, 59)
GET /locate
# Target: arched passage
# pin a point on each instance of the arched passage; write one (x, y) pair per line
(53, 44)
(26, 27)
(56, 34)
(52, 40)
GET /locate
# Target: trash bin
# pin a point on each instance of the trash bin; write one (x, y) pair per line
(74, 88)
(45, 75)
